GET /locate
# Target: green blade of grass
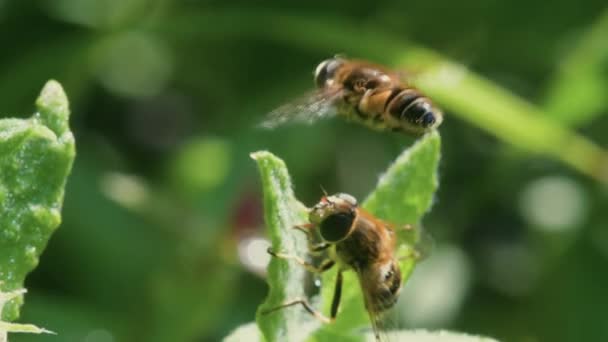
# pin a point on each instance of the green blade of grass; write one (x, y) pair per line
(500, 112)
(577, 93)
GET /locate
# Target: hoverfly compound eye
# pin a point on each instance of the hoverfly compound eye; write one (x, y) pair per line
(325, 71)
(336, 227)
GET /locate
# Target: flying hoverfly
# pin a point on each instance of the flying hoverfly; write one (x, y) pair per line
(354, 240)
(363, 92)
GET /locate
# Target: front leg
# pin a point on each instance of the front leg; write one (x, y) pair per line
(324, 266)
(313, 247)
(335, 304)
(306, 306)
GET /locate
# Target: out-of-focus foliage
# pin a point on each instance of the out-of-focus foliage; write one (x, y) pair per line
(585, 66)
(162, 224)
(36, 156)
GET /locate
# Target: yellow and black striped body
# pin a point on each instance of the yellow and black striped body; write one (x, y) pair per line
(376, 97)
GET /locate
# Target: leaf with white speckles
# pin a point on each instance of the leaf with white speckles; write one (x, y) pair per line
(36, 156)
(282, 211)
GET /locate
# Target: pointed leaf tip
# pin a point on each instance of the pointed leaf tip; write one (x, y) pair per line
(405, 191)
(36, 157)
(53, 107)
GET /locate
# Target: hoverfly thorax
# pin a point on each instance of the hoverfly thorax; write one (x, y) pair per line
(361, 80)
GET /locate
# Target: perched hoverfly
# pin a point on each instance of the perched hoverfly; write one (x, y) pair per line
(355, 240)
(363, 92)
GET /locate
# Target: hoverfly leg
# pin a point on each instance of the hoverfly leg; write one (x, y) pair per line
(335, 302)
(306, 306)
(313, 248)
(318, 247)
(325, 265)
(305, 227)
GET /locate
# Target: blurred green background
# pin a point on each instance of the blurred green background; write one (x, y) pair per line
(162, 237)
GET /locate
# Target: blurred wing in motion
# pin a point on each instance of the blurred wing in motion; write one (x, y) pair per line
(425, 245)
(421, 249)
(379, 327)
(306, 109)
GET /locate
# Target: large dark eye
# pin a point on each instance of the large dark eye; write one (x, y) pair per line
(326, 71)
(335, 227)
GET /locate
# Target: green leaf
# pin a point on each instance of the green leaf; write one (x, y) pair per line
(36, 157)
(247, 332)
(285, 278)
(405, 191)
(250, 332)
(433, 336)
(6, 327)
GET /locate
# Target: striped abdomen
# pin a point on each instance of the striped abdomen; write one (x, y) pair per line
(400, 109)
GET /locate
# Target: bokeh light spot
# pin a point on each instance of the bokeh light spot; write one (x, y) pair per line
(133, 64)
(202, 164)
(253, 255)
(99, 335)
(554, 204)
(95, 13)
(511, 267)
(126, 190)
(436, 290)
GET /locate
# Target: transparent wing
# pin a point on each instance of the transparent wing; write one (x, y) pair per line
(414, 241)
(425, 244)
(379, 329)
(377, 319)
(305, 109)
